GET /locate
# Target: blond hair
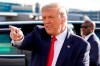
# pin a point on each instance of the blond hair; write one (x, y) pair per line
(63, 11)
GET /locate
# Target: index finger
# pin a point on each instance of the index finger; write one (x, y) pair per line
(12, 28)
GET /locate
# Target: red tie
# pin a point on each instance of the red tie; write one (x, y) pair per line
(51, 52)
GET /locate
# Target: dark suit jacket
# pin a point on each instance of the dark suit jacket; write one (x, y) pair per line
(94, 51)
(74, 52)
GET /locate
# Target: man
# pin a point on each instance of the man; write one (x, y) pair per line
(69, 49)
(87, 32)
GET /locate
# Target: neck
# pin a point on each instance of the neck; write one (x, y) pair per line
(62, 30)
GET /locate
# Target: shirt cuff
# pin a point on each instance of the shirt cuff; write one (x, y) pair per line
(17, 43)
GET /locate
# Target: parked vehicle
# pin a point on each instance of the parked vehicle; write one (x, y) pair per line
(9, 54)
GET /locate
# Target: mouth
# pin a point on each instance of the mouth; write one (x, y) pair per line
(48, 27)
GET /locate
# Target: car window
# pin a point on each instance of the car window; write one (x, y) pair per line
(5, 41)
(6, 46)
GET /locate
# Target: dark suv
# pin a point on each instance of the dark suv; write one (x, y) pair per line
(9, 55)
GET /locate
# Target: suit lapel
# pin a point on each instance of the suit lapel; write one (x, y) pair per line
(65, 49)
(47, 42)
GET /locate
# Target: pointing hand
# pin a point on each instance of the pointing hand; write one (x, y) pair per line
(16, 34)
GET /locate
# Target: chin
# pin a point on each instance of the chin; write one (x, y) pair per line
(49, 32)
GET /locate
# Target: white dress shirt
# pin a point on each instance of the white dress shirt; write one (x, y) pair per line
(58, 45)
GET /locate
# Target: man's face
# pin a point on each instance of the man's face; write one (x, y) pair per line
(52, 21)
(86, 29)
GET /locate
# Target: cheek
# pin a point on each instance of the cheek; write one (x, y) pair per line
(83, 31)
(50, 32)
(57, 26)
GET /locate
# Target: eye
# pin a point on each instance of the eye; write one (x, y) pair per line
(43, 18)
(51, 17)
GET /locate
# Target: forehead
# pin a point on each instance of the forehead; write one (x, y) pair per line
(87, 23)
(50, 11)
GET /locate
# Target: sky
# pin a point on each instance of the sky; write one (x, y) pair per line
(76, 4)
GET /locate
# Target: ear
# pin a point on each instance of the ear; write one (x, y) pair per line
(92, 29)
(64, 18)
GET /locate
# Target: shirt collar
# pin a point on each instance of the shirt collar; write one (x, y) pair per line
(62, 35)
(87, 37)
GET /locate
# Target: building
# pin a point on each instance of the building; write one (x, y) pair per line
(19, 12)
(93, 15)
(13, 11)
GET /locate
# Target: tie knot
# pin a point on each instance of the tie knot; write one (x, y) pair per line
(54, 38)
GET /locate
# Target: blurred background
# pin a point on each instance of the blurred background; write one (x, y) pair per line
(12, 10)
